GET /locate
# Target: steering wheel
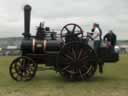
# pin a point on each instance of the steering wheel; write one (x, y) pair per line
(71, 31)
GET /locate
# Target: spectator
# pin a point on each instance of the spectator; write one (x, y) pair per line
(110, 37)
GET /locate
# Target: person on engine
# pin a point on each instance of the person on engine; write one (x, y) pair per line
(97, 32)
(111, 38)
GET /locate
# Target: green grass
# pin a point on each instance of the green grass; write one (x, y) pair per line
(114, 82)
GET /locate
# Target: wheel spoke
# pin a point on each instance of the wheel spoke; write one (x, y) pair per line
(67, 29)
(78, 33)
(89, 70)
(68, 57)
(71, 71)
(83, 58)
(74, 27)
(74, 53)
(66, 67)
(80, 53)
(81, 74)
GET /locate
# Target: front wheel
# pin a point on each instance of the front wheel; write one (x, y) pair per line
(22, 69)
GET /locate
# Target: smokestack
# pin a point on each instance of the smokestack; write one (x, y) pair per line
(27, 16)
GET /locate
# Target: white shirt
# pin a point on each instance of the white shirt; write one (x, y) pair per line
(96, 34)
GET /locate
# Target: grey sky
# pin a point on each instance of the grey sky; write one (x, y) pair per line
(110, 14)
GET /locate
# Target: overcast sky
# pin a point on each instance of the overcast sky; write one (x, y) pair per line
(110, 14)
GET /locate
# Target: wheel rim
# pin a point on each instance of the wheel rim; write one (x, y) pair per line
(23, 69)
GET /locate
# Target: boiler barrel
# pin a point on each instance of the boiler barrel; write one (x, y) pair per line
(39, 46)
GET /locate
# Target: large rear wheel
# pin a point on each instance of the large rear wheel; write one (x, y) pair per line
(77, 61)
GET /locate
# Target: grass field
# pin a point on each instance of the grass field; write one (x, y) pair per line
(114, 82)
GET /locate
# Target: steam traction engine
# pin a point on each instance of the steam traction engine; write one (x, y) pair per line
(70, 55)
